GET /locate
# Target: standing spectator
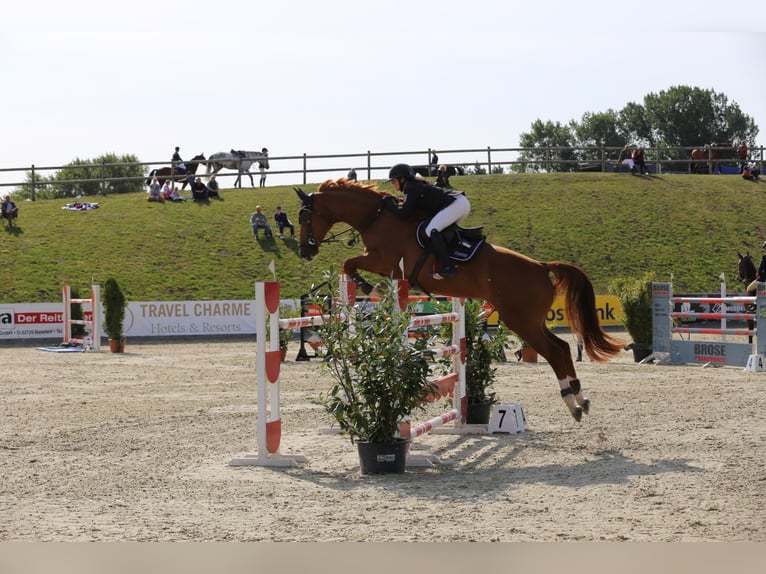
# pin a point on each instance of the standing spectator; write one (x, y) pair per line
(212, 188)
(10, 211)
(283, 221)
(625, 158)
(263, 165)
(433, 162)
(639, 158)
(742, 153)
(351, 176)
(178, 164)
(442, 179)
(258, 221)
(199, 190)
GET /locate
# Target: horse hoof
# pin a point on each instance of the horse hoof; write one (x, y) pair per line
(585, 406)
(577, 414)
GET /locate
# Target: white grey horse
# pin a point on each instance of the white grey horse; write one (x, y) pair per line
(238, 160)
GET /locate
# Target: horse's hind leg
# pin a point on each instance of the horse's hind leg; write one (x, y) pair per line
(559, 356)
(571, 390)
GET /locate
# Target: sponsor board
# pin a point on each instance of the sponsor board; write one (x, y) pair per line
(189, 318)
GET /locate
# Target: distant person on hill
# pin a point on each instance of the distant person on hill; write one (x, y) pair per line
(283, 221)
(351, 175)
(752, 173)
(263, 165)
(639, 158)
(167, 190)
(442, 179)
(175, 195)
(154, 190)
(212, 188)
(199, 190)
(177, 163)
(625, 158)
(258, 221)
(10, 211)
(742, 153)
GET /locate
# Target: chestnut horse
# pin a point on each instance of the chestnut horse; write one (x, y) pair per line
(521, 289)
(711, 154)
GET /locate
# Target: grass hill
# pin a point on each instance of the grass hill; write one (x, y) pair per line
(687, 226)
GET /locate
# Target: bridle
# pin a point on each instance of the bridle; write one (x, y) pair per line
(305, 216)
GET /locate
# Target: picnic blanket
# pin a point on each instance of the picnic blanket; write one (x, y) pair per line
(80, 206)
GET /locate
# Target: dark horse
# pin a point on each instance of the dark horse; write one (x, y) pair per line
(746, 274)
(712, 155)
(518, 287)
(163, 173)
(422, 170)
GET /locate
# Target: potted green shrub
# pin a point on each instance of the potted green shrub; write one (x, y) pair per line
(635, 296)
(379, 377)
(114, 315)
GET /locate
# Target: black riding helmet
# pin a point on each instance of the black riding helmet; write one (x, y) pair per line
(401, 170)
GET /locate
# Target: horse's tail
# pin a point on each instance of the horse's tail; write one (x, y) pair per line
(151, 175)
(581, 309)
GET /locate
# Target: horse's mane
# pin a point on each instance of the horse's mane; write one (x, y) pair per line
(343, 184)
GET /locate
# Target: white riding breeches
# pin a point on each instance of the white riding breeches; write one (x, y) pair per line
(453, 213)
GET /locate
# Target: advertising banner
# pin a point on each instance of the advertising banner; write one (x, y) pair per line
(191, 318)
(142, 319)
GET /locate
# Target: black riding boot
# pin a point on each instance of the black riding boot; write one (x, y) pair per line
(446, 267)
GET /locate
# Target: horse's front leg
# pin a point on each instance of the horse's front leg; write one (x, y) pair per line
(371, 262)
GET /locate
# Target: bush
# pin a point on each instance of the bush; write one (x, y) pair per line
(635, 295)
(114, 309)
(380, 377)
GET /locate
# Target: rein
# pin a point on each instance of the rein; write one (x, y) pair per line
(305, 215)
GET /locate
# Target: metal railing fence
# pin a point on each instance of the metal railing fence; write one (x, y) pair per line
(298, 169)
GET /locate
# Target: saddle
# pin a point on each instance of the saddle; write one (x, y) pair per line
(463, 242)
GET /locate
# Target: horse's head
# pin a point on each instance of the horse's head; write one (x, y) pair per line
(335, 201)
(308, 246)
(746, 272)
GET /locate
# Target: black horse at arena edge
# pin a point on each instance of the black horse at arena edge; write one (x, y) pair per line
(423, 170)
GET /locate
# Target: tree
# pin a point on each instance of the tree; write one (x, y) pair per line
(681, 116)
(597, 130)
(549, 142)
(108, 173)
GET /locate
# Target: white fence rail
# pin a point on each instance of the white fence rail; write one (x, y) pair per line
(299, 169)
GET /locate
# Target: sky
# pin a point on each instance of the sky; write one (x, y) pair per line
(85, 78)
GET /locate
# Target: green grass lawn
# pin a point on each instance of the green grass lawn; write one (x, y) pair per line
(690, 226)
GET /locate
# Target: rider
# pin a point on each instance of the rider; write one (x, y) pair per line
(444, 206)
(178, 163)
